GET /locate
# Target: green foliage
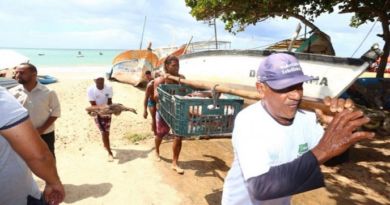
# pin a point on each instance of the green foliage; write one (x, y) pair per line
(238, 14)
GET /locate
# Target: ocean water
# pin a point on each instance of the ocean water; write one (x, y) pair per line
(69, 58)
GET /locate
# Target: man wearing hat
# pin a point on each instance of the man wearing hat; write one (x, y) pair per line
(101, 94)
(278, 148)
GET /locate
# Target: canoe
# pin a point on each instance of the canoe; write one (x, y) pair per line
(46, 79)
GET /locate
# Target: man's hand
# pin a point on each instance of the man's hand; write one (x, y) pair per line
(54, 193)
(335, 105)
(340, 134)
(145, 114)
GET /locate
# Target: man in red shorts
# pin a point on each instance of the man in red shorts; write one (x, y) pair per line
(101, 94)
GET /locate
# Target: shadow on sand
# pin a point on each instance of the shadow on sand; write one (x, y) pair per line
(204, 168)
(374, 177)
(125, 155)
(76, 193)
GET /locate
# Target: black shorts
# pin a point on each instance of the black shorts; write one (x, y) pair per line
(49, 138)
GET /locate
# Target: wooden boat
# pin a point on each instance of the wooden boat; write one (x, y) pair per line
(130, 66)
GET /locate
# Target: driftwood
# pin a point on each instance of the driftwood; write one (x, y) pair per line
(380, 119)
(106, 110)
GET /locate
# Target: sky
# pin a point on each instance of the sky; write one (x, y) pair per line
(118, 24)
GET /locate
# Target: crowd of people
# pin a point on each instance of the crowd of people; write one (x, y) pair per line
(278, 148)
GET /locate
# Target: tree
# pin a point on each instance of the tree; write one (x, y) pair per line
(369, 11)
(239, 14)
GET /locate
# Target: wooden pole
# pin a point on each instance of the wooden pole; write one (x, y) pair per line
(306, 104)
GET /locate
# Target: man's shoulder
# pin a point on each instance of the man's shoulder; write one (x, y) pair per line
(107, 86)
(16, 89)
(251, 110)
(91, 87)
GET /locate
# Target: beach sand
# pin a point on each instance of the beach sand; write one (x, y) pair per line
(136, 178)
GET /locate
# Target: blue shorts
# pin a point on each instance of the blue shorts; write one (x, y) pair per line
(151, 103)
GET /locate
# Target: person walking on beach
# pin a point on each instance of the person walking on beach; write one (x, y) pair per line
(100, 94)
(149, 102)
(41, 102)
(21, 149)
(171, 67)
(278, 148)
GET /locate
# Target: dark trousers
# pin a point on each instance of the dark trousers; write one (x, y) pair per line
(49, 138)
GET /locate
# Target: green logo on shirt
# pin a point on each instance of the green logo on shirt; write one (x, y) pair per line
(303, 148)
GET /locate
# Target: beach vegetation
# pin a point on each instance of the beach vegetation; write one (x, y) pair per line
(137, 137)
(237, 15)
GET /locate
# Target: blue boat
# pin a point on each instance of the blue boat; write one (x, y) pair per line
(46, 79)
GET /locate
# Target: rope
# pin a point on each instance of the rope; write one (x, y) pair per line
(364, 39)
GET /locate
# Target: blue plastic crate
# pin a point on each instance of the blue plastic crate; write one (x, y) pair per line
(192, 116)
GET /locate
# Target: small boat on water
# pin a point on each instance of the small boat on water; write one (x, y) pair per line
(80, 55)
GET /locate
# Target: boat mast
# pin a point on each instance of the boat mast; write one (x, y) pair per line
(215, 34)
(142, 36)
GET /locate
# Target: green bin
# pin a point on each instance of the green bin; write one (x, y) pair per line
(193, 116)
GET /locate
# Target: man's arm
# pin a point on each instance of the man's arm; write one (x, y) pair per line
(24, 139)
(148, 93)
(156, 83)
(303, 173)
(47, 124)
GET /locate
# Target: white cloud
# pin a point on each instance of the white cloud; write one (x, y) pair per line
(118, 24)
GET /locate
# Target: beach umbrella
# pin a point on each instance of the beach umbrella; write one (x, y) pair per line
(10, 59)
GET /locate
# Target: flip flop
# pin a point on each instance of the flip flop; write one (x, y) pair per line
(178, 169)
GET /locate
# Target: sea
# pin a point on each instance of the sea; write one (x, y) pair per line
(68, 59)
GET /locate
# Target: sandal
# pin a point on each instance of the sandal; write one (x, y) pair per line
(178, 169)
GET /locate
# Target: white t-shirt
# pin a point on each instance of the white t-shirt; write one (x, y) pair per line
(99, 96)
(259, 142)
(15, 177)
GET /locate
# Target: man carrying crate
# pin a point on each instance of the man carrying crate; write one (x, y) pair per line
(171, 67)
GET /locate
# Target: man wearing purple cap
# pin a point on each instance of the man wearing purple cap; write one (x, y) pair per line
(278, 148)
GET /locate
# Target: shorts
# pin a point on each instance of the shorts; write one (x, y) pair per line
(49, 138)
(151, 103)
(162, 128)
(103, 123)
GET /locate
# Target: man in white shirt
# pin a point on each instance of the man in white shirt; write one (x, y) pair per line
(21, 149)
(278, 148)
(101, 94)
(41, 102)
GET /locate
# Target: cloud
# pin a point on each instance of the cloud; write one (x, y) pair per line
(118, 24)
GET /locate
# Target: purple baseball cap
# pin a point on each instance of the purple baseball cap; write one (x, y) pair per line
(281, 70)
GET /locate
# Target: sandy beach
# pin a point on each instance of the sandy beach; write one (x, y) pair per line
(136, 178)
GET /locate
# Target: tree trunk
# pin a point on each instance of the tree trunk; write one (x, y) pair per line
(386, 48)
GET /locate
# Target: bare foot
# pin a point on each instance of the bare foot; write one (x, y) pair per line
(110, 158)
(178, 169)
(157, 157)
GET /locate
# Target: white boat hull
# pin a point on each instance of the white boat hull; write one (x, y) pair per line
(238, 69)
